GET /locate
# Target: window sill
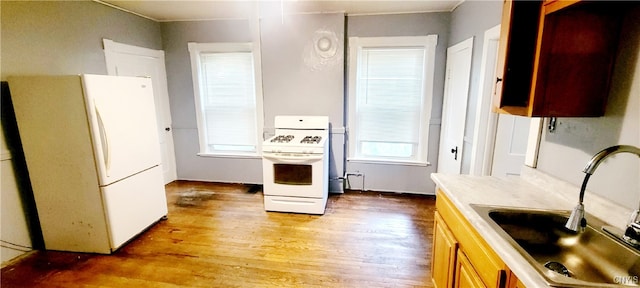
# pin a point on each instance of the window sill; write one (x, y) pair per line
(236, 156)
(389, 162)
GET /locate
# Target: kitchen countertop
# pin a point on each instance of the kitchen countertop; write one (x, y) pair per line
(533, 189)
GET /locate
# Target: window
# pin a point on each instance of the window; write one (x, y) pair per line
(390, 91)
(228, 98)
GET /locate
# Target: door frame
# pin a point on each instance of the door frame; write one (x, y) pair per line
(110, 49)
(486, 122)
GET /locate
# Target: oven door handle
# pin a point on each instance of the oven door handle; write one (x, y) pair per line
(292, 159)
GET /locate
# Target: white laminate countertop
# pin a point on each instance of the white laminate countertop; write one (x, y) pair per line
(533, 189)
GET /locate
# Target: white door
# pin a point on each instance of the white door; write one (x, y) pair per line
(127, 60)
(454, 109)
(511, 145)
(122, 122)
(500, 141)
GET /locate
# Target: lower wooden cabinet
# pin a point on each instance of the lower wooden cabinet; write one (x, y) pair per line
(444, 249)
(514, 282)
(466, 275)
(460, 256)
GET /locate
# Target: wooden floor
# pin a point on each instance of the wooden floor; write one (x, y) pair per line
(218, 235)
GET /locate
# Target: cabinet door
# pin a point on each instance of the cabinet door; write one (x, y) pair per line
(574, 60)
(516, 55)
(466, 276)
(556, 59)
(443, 254)
(514, 282)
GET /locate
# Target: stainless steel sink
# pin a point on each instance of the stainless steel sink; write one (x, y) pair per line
(565, 258)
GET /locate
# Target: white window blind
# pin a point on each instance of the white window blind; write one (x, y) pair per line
(226, 98)
(389, 106)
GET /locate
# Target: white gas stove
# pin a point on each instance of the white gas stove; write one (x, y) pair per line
(296, 165)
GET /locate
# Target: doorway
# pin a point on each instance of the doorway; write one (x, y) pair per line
(128, 60)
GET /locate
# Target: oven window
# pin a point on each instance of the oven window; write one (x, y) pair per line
(292, 174)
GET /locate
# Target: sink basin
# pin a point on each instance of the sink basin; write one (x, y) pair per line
(564, 258)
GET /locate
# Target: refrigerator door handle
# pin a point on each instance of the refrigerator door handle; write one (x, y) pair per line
(104, 141)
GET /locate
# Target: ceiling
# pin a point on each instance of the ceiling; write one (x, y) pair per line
(187, 10)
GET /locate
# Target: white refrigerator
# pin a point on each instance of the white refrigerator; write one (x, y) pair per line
(92, 151)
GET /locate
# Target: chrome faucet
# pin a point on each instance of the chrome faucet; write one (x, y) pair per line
(577, 222)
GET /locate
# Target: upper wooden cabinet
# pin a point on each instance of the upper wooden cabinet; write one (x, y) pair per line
(556, 57)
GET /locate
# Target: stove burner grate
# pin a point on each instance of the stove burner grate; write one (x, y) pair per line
(311, 140)
(282, 139)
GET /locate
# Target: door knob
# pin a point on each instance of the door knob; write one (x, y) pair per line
(454, 151)
(167, 129)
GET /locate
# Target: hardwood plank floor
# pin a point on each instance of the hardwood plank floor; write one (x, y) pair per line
(218, 235)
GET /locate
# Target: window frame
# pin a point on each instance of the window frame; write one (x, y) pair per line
(356, 44)
(195, 50)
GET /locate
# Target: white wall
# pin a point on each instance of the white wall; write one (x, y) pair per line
(405, 178)
(53, 38)
(190, 166)
(295, 82)
(564, 153)
(65, 37)
(290, 87)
